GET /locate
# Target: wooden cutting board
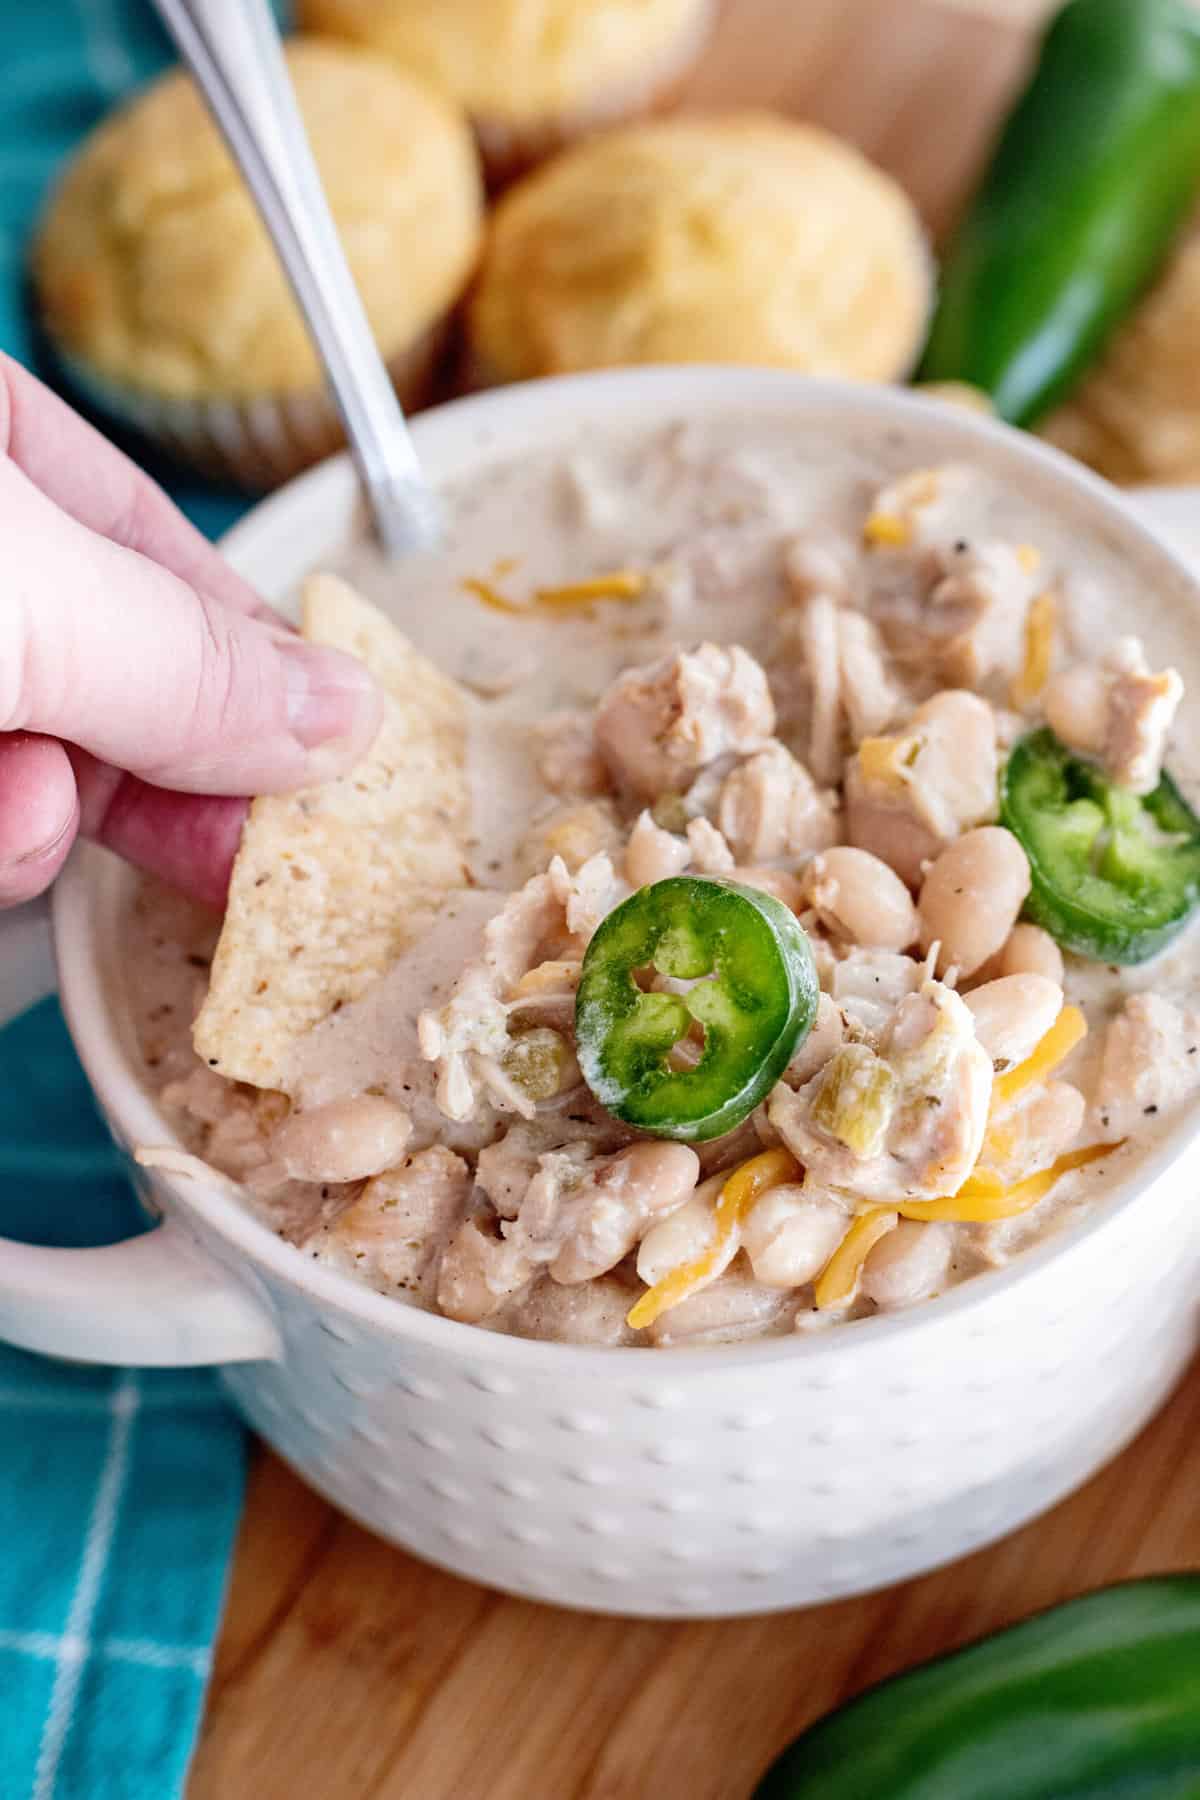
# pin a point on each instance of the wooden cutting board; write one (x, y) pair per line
(347, 1670)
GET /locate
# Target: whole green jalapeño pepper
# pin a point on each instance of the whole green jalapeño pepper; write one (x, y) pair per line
(752, 997)
(1114, 874)
(1090, 1701)
(1094, 172)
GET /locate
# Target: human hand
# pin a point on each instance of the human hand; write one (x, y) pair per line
(144, 688)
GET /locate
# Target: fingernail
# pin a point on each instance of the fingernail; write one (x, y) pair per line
(52, 846)
(328, 695)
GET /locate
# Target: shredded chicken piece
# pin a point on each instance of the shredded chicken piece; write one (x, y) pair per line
(710, 854)
(770, 807)
(781, 884)
(904, 1123)
(910, 793)
(506, 1166)
(1150, 1065)
(1118, 711)
(868, 696)
(479, 1272)
(236, 1120)
(653, 854)
(587, 895)
(394, 1234)
(657, 727)
(821, 563)
(846, 686)
(818, 634)
(468, 1036)
(474, 1022)
(868, 986)
(568, 760)
(828, 1033)
(975, 617)
(581, 1215)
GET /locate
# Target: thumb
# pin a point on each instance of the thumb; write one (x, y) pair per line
(102, 647)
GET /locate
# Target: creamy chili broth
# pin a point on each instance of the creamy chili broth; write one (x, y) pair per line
(864, 590)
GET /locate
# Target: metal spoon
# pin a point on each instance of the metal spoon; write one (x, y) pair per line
(233, 50)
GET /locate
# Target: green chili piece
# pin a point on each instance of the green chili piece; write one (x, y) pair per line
(1114, 875)
(751, 996)
(1094, 172)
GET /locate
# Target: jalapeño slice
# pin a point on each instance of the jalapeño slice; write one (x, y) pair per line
(1114, 875)
(751, 998)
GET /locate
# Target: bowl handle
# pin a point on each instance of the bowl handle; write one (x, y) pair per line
(153, 1300)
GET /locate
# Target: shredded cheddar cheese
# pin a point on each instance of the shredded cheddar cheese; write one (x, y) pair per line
(748, 1182)
(982, 1198)
(620, 584)
(886, 761)
(617, 584)
(1039, 650)
(888, 529)
(839, 1278)
(1069, 1029)
(491, 596)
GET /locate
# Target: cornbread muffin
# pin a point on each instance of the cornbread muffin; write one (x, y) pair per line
(740, 239)
(163, 293)
(533, 74)
(1136, 416)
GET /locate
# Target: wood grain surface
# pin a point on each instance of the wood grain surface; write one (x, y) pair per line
(349, 1671)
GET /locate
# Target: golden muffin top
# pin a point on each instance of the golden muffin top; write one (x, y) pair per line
(153, 268)
(745, 238)
(518, 60)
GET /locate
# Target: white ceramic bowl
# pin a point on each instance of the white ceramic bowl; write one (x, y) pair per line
(718, 1481)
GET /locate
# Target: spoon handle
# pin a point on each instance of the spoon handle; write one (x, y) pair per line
(233, 50)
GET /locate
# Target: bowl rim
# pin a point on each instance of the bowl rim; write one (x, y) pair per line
(324, 488)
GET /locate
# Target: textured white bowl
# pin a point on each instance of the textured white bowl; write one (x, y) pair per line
(718, 1481)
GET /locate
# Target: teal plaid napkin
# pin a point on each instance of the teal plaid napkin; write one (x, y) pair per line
(119, 1490)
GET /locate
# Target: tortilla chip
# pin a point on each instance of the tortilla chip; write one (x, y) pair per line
(332, 884)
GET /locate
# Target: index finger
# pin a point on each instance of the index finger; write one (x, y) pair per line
(80, 471)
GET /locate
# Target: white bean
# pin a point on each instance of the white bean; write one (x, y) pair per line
(790, 1235)
(1029, 950)
(724, 1312)
(971, 897)
(1013, 1014)
(684, 1235)
(346, 1140)
(909, 1264)
(857, 896)
(661, 1176)
(1048, 1123)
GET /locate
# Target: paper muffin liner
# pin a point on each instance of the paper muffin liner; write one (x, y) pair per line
(263, 440)
(508, 149)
